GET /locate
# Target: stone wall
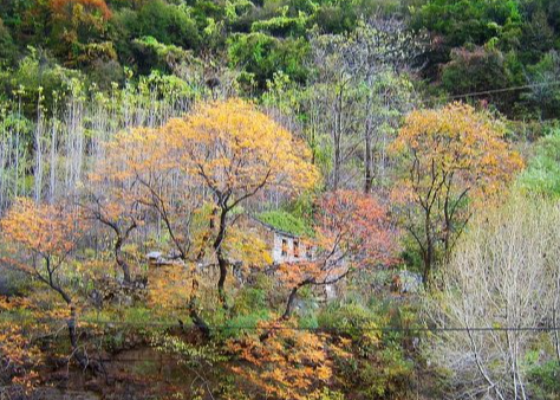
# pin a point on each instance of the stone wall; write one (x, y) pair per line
(290, 249)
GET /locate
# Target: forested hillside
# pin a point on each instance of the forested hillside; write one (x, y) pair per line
(280, 199)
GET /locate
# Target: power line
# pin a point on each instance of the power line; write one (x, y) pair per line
(493, 91)
(308, 329)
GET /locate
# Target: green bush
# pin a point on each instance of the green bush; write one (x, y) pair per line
(545, 100)
(486, 69)
(543, 173)
(282, 26)
(249, 299)
(468, 21)
(168, 23)
(263, 55)
(381, 367)
(155, 55)
(347, 318)
(545, 380)
(335, 19)
(7, 46)
(240, 325)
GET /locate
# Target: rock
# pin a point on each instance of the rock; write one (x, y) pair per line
(156, 258)
(408, 282)
(154, 255)
(108, 290)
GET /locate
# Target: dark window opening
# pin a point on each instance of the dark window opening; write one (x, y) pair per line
(309, 253)
(284, 247)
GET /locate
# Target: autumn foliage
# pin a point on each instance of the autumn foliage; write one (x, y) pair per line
(457, 148)
(18, 355)
(48, 231)
(219, 291)
(455, 158)
(67, 6)
(353, 231)
(236, 150)
(359, 225)
(290, 364)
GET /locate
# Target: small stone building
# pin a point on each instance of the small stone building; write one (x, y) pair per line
(284, 247)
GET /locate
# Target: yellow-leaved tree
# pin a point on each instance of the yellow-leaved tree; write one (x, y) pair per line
(455, 158)
(233, 151)
(140, 173)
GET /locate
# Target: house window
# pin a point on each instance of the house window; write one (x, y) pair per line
(309, 253)
(284, 248)
(296, 249)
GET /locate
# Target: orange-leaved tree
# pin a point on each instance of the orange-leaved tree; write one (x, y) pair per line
(291, 364)
(94, 6)
(353, 231)
(114, 195)
(454, 158)
(142, 169)
(122, 214)
(43, 236)
(19, 355)
(235, 151)
(79, 28)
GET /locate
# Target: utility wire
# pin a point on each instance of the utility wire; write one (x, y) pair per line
(295, 328)
(494, 91)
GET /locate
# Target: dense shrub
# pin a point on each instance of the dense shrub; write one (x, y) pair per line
(472, 21)
(381, 369)
(545, 379)
(7, 47)
(543, 173)
(486, 69)
(544, 99)
(263, 55)
(174, 24)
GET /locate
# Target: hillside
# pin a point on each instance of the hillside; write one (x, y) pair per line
(279, 199)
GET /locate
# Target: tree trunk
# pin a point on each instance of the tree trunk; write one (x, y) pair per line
(223, 275)
(289, 307)
(368, 164)
(337, 137)
(121, 261)
(428, 255)
(336, 166)
(208, 234)
(197, 320)
(78, 355)
(222, 262)
(290, 303)
(292, 298)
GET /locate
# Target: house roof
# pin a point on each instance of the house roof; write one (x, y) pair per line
(281, 228)
(271, 227)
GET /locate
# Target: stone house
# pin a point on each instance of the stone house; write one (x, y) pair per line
(284, 247)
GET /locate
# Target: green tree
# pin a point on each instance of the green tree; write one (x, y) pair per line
(544, 97)
(168, 23)
(7, 46)
(262, 55)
